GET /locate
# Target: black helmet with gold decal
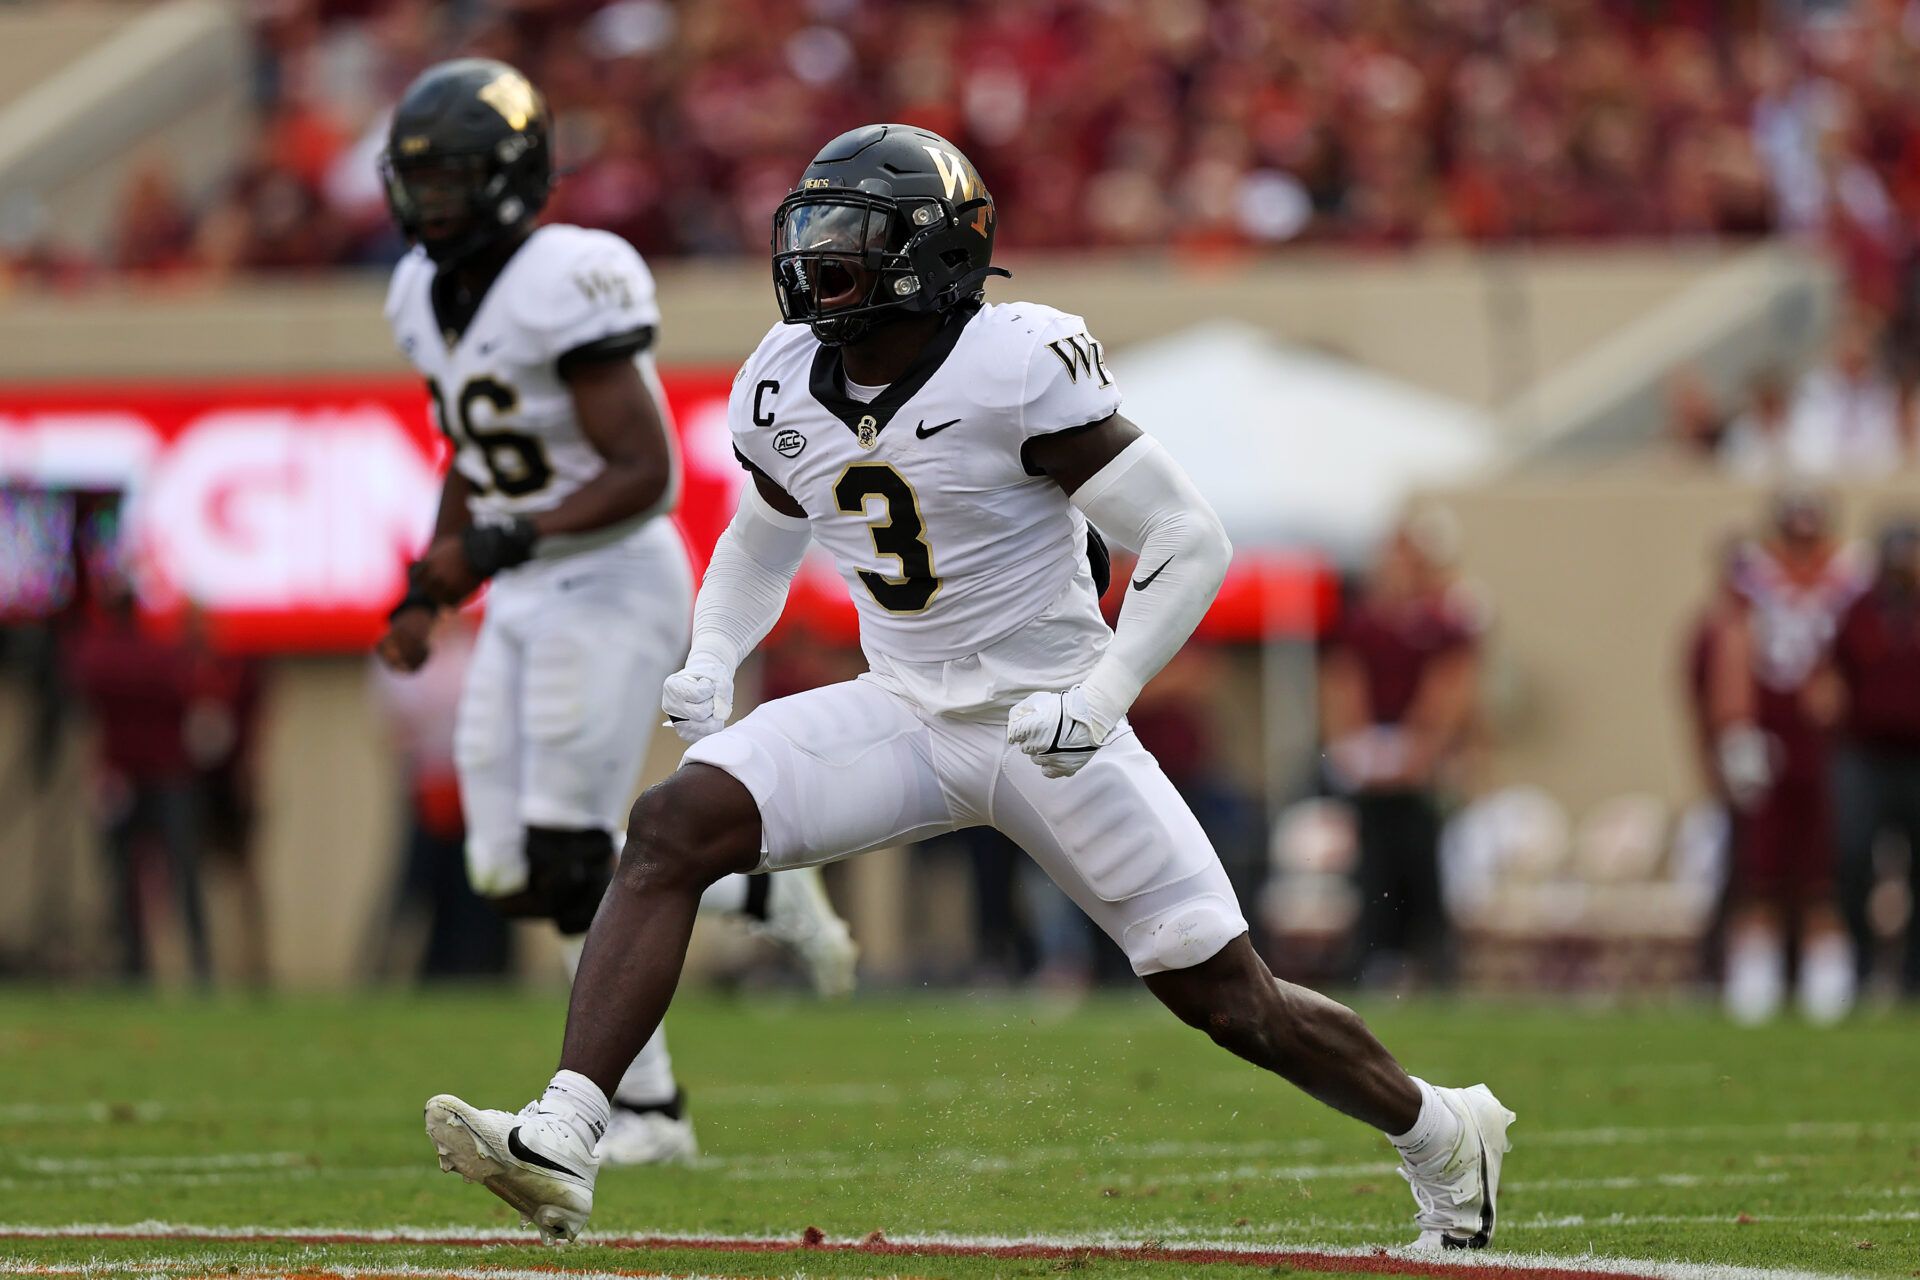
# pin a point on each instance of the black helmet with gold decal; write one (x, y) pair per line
(888, 218)
(468, 157)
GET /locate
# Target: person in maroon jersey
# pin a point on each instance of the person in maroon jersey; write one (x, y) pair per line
(1771, 743)
(1876, 658)
(141, 690)
(1398, 685)
(1724, 605)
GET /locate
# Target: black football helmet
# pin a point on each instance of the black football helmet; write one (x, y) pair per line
(899, 201)
(468, 158)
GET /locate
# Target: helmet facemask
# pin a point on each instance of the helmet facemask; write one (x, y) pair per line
(837, 266)
(455, 204)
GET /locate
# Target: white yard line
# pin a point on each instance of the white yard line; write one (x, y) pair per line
(191, 1267)
(1584, 1265)
(383, 1112)
(1582, 1220)
(187, 1178)
(187, 1164)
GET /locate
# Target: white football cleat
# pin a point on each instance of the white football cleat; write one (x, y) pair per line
(648, 1135)
(800, 915)
(1457, 1198)
(534, 1161)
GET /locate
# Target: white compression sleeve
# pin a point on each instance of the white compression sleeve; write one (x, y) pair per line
(1144, 501)
(746, 584)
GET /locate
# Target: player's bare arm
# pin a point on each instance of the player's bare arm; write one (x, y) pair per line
(621, 420)
(1072, 458)
(1441, 713)
(779, 499)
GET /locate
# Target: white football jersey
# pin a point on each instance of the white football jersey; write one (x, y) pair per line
(497, 389)
(952, 546)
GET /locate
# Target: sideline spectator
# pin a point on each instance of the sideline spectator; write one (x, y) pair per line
(1771, 745)
(1399, 681)
(1755, 446)
(140, 690)
(1722, 609)
(1877, 768)
(1696, 421)
(1846, 417)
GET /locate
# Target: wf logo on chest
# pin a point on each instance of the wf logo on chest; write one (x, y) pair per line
(1081, 354)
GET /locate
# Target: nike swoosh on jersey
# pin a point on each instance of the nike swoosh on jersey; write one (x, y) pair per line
(923, 430)
(521, 1151)
(1141, 584)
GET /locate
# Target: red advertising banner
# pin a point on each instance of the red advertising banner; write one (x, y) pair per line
(285, 512)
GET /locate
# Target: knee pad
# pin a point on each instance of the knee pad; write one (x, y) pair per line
(569, 869)
(1183, 936)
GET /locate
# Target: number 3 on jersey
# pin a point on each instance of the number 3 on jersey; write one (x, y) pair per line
(902, 535)
(514, 459)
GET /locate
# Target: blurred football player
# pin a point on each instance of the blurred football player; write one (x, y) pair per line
(1772, 721)
(536, 346)
(950, 455)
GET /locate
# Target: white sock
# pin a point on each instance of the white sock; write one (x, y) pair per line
(578, 1101)
(1435, 1133)
(1756, 976)
(649, 1079)
(727, 894)
(1826, 979)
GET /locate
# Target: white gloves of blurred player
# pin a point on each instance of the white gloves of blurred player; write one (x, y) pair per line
(1746, 763)
(698, 698)
(1061, 731)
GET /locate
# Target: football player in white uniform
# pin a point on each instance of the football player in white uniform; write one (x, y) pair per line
(950, 454)
(535, 344)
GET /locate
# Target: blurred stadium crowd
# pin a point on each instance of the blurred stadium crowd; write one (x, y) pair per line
(1208, 126)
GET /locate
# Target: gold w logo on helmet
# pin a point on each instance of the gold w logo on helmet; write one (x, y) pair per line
(513, 97)
(955, 174)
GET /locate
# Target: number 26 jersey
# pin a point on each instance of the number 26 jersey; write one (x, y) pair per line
(567, 293)
(966, 563)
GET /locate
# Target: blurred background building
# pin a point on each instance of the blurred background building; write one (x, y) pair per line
(1488, 327)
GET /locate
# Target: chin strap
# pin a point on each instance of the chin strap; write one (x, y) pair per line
(971, 283)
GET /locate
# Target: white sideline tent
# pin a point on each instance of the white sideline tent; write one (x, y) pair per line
(1293, 446)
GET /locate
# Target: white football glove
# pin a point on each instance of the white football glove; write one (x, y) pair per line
(698, 699)
(1059, 730)
(1746, 763)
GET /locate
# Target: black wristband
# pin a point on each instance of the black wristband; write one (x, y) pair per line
(414, 599)
(493, 547)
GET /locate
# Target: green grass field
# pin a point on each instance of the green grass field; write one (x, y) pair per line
(1650, 1135)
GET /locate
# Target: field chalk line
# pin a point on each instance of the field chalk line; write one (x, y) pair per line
(1333, 1259)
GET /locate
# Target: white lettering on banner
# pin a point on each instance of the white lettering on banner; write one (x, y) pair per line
(276, 509)
(248, 508)
(91, 450)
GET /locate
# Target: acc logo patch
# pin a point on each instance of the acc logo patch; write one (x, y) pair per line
(789, 443)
